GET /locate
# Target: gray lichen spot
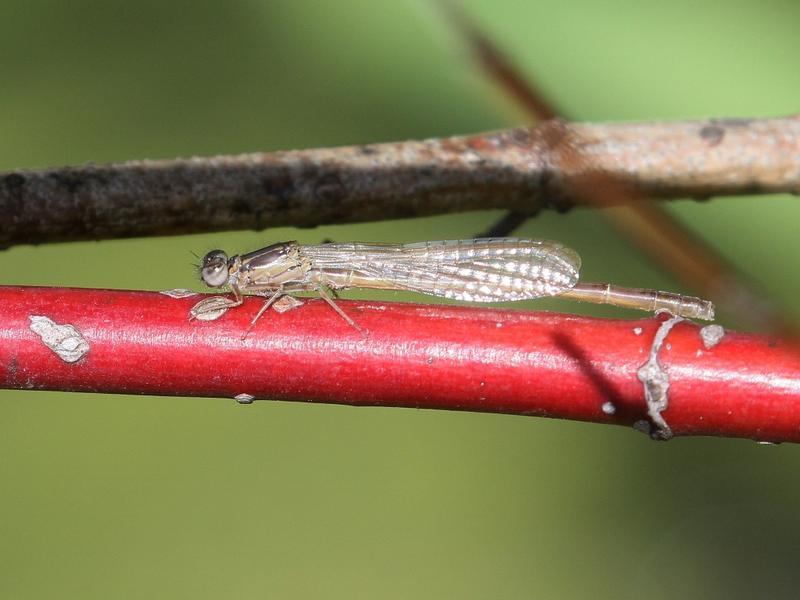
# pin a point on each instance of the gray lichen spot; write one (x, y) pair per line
(244, 398)
(712, 335)
(609, 408)
(656, 383)
(66, 341)
(179, 293)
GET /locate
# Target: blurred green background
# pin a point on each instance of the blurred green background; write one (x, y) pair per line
(149, 497)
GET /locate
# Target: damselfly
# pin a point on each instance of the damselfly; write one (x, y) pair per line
(479, 270)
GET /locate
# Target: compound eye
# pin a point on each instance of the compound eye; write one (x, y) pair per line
(214, 270)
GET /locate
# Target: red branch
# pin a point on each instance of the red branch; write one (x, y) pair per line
(505, 361)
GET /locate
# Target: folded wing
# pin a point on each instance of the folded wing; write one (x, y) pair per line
(481, 270)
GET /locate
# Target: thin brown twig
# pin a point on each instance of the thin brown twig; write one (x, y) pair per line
(495, 64)
(653, 229)
(520, 169)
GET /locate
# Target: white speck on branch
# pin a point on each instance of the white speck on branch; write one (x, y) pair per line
(64, 340)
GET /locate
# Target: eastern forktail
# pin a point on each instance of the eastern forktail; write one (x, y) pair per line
(478, 270)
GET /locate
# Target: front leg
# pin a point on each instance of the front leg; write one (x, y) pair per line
(275, 296)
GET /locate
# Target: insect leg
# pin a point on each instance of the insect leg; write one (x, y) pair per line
(263, 309)
(321, 291)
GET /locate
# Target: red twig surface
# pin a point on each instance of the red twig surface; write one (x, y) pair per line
(422, 356)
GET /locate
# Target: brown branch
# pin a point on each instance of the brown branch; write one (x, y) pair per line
(518, 169)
